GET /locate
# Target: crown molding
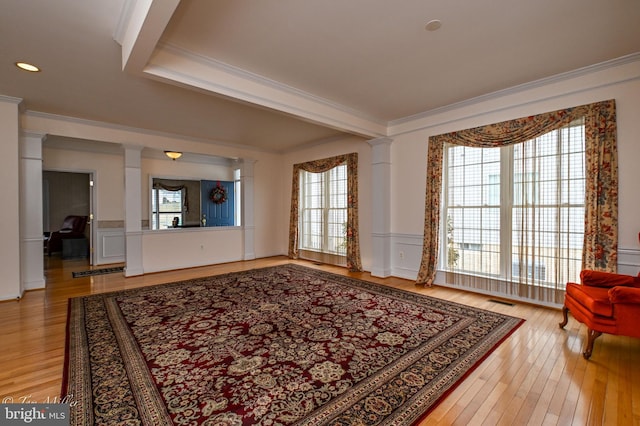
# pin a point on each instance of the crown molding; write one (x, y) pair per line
(602, 66)
(72, 144)
(318, 142)
(123, 21)
(176, 65)
(10, 100)
(143, 132)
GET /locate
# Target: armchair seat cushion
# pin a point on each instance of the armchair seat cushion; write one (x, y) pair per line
(595, 299)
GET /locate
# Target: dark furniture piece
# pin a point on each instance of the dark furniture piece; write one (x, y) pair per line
(75, 248)
(605, 303)
(72, 228)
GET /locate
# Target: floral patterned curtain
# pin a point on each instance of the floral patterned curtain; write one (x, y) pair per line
(600, 249)
(319, 166)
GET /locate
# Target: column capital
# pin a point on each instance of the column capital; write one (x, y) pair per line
(381, 150)
(132, 155)
(31, 146)
(27, 134)
(246, 167)
(380, 141)
(247, 161)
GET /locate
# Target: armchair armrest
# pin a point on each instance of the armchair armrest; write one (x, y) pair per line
(622, 294)
(607, 279)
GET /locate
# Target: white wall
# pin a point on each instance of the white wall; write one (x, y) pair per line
(272, 172)
(409, 152)
(330, 149)
(176, 249)
(108, 172)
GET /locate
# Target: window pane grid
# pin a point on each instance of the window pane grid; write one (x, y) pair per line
(323, 210)
(545, 208)
(165, 205)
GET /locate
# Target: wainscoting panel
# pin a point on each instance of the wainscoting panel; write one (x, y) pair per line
(406, 253)
(110, 245)
(628, 261)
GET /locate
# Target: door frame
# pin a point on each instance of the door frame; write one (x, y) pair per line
(92, 205)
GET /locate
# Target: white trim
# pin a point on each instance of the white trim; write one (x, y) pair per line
(123, 21)
(171, 64)
(524, 87)
(416, 122)
(10, 99)
(248, 75)
(628, 261)
(140, 131)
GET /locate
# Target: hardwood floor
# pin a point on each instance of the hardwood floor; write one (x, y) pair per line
(537, 376)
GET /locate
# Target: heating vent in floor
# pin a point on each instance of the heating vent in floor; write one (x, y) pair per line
(502, 302)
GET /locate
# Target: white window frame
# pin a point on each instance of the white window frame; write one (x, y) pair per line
(326, 209)
(506, 213)
(155, 208)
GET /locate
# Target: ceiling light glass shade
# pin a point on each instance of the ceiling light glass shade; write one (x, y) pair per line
(27, 67)
(433, 25)
(173, 154)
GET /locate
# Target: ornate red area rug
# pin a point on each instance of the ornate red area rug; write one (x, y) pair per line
(280, 345)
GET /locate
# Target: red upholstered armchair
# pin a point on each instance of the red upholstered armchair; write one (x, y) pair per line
(72, 227)
(605, 303)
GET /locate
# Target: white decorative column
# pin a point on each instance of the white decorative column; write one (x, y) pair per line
(133, 210)
(248, 224)
(381, 206)
(10, 177)
(31, 237)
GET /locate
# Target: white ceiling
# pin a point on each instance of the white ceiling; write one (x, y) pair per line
(277, 74)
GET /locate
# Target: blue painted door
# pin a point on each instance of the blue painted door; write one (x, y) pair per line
(217, 214)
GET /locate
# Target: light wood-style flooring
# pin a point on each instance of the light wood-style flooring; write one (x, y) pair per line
(537, 376)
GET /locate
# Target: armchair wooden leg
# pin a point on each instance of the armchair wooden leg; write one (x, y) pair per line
(592, 335)
(565, 318)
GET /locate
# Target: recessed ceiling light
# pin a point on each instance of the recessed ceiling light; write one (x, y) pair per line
(27, 67)
(433, 25)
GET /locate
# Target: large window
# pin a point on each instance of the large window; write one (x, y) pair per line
(323, 224)
(323, 211)
(517, 212)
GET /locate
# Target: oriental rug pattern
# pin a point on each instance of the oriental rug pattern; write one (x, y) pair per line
(279, 345)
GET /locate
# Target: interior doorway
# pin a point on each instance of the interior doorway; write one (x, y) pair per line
(67, 194)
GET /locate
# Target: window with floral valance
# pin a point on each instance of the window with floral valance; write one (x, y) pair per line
(351, 227)
(601, 185)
